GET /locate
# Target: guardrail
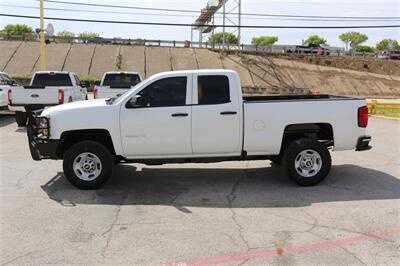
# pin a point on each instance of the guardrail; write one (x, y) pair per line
(257, 49)
(384, 107)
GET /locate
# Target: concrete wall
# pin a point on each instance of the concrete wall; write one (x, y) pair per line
(7, 50)
(104, 59)
(56, 55)
(79, 59)
(24, 60)
(133, 59)
(157, 60)
(260, 74)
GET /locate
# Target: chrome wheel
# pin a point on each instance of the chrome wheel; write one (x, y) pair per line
(308, 163)
(87, 166)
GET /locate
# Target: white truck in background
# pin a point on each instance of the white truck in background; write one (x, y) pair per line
(198, 116)
(5, 83)
(115, 83)
(46, 88)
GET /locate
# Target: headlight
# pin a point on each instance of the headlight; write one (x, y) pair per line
(43, 127)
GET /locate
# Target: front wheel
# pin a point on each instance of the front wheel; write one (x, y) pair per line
(21, 118)
(306, 162)
(88, 165)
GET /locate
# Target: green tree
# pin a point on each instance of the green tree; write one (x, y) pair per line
(264, 40)
(315, 39)
(352, 37)
(65, 36)
(218, 38)
(365, 49)
(16, 29)
(387, 44)
(88, 35)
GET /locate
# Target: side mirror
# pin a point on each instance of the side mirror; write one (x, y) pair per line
(137, 101)
(12, 83)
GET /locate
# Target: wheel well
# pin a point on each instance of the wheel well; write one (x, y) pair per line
(69, 138)
(322, 132)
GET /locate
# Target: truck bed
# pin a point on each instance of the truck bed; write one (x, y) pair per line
(296, 97)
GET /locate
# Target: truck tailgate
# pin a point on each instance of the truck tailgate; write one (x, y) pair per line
(24, 96)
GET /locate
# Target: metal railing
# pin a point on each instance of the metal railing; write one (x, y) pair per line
(384, 107)
(257, 49)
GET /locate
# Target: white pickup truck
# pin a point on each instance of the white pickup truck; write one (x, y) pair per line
(198, 116)
(47, 88)
(5, 83)
(115, 83)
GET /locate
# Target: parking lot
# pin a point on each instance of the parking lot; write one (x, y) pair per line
(233, 213)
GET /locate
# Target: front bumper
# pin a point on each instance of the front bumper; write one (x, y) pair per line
(363, 143)
(40, 148)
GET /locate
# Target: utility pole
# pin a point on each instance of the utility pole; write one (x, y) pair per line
(41, 37)
(223, 26)
(239, 21)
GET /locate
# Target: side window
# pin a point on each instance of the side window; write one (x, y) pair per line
(213, 89)
(166, 92)
(78, 82)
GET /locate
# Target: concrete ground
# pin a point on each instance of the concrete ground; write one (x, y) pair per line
(233, 213)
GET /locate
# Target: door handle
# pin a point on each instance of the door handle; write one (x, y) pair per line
(228, 113)
(179, 114)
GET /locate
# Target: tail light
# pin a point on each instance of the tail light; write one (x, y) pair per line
(60, 96)
(95, 91)
(9, 97)
(363, 116)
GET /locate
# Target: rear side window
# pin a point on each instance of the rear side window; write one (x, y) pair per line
(56, 79)
(213, 89)
(166, 92)
(121, 79)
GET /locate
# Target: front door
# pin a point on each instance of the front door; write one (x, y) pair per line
(162, 126)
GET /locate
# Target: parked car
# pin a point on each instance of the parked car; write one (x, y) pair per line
(198, 116)
(5, 83)
(311, 48)
(389, 55)
(47, 88)
(115, 83)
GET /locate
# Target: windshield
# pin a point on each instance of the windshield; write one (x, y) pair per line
(49, 79)
(121, 79)
(5, 80)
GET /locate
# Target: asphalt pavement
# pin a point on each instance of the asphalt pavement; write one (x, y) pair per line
(231, 213)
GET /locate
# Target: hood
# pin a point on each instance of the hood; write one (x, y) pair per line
(81, 105)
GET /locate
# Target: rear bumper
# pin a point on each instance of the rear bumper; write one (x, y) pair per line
(363, 143)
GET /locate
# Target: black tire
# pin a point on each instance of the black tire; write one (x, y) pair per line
(95, 148)
(293, 154)
(21, 118)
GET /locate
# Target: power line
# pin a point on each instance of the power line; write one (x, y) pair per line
(190, 16)
(197, 12)
(189, 24)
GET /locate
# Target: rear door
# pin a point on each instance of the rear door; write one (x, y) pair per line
(215, 115)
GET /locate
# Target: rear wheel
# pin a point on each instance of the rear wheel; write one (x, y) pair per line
(88, 165)
(306, 162)
(21, 118)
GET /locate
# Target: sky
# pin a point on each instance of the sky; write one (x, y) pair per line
(370, 8)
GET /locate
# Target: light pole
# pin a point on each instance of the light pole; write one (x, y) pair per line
(41, 37)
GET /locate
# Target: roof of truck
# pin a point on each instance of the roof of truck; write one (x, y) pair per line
(198, 71)
(53, 71)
